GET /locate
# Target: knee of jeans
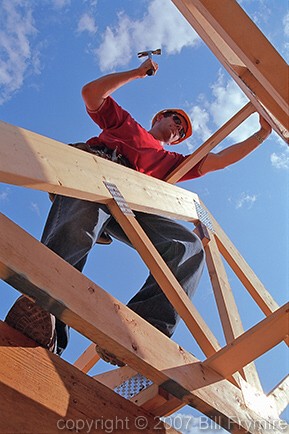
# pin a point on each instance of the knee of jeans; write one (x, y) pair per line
(194, 241)
(195, 248)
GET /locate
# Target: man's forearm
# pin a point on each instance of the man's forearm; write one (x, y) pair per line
(233, 153)
(237, 152)
(96, 91)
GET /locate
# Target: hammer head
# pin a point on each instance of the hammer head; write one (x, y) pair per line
(149, 53)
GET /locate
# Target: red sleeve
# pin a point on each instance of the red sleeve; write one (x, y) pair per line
(109, 114)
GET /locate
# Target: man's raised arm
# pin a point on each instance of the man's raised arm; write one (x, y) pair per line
(95, 92)
(235, 153)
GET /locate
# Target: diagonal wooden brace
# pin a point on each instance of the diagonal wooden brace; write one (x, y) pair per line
(165, 278)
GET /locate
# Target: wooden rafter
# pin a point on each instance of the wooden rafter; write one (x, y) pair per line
(27, 265)
(242, 270)
(280, 394)
(153, 398)
(257, 67)
(228, 310)
(31, 160)
(115, 378)
(62, 399)
(251, 344)
(166, 280)
(44, 174)
(211, 143)
(87, 359)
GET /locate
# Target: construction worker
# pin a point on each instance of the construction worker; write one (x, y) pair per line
(74, 226)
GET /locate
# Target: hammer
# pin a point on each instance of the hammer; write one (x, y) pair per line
(149, 53)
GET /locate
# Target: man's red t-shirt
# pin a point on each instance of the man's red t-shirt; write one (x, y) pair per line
(145, 154)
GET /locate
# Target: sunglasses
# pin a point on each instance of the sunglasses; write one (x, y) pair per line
(177, 121)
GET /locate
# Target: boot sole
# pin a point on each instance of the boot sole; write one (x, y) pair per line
(33, 321)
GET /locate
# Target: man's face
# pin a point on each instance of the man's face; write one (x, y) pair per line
(173, 126)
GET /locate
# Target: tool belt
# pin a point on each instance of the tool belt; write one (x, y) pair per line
(104, 152)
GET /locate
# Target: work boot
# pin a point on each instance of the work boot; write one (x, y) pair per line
(108, 357)
(33, 321)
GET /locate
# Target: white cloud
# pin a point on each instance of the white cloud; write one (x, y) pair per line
(286, 24)
(35, 208)
(86, 23)
(60, 4)
(280, 161)
(16, 55)
(226, 100)
(116, 47)
(4, 194)
(200, 119)
(245, 200)
(162, 27)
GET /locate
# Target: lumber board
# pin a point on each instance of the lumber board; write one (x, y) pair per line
(260, 57)
(152, 399)
(87, 359)
(167, 281)
(116, 377)
(280, 394)
(211, 143)
(54, 396)
(157, 401)
(257, 67)
(227, 307)
(241, 268)
(251, 344)
(36, 271)
(30, 160)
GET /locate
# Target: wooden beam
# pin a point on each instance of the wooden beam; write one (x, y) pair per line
(253, 343)
(116, 377)
(210, 144)
(52, 396)
(153, 399)
(166, 280)
(260, 57)
(242, 270)
(31, 160)
(157, 401)
(227, 307)
(39, 273)
(257, 67)
(87, 359)
(280, 394)
(228, 311)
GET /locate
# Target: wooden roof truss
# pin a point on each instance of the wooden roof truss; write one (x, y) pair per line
(225, 385)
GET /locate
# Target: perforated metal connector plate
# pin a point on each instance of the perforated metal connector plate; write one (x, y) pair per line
(134, 385)
(204, 216)
(118, 197)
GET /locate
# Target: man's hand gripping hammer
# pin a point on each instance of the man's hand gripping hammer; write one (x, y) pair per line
(149, 53)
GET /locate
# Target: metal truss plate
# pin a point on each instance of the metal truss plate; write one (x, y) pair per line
(134, 385)
(204, 216)
(118, 197)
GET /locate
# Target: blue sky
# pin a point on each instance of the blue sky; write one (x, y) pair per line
(50, 49)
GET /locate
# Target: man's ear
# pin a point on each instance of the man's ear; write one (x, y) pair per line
(159, 117)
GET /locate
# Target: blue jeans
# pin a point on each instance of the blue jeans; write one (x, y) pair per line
(74, 226)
